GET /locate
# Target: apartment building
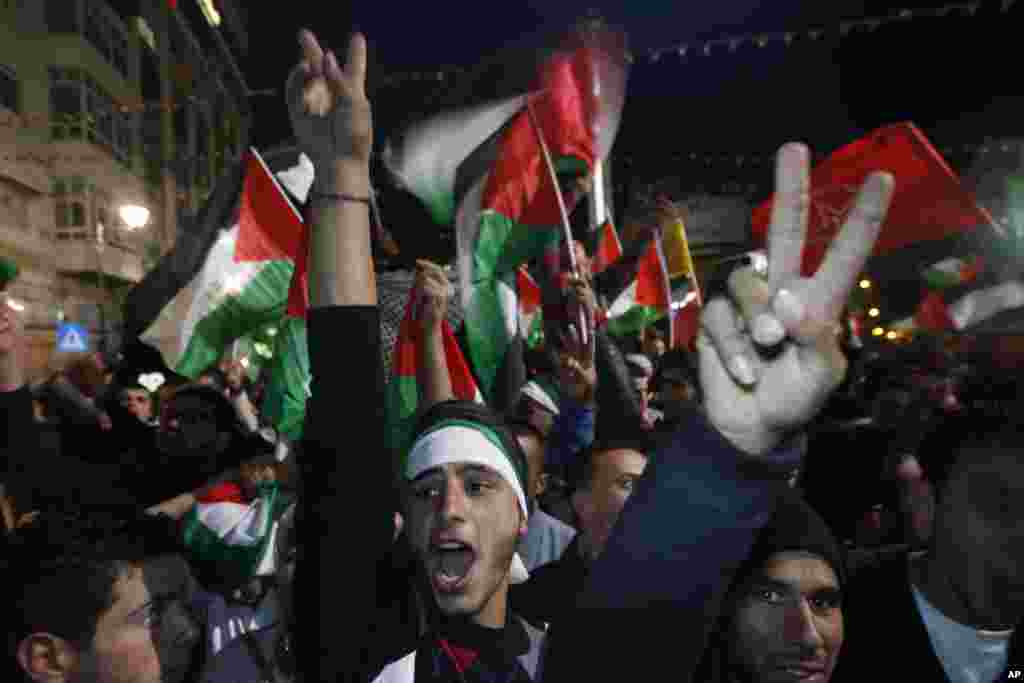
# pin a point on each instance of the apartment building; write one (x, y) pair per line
(116, 116)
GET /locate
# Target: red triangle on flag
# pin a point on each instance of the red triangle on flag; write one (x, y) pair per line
(685, 325)
(529, 292)
(929, 202)
(933, 314)
(609, 249)
(270, 228)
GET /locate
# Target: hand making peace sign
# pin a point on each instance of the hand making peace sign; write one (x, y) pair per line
(756, 399)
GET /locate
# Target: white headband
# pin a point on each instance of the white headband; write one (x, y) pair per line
(458, 444)
(534, 391)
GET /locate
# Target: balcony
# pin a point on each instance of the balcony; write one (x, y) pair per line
(85, 258)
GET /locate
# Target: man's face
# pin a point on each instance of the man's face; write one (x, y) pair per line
(464, 522)
(138, 403)
(534, 449)
(788, 621)
(614, 474)
(189, 426)
(977, 536)
(148, 635)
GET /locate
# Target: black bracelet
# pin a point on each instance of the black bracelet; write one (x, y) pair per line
(339, 197)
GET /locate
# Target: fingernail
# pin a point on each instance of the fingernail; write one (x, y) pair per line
(742, 370)
(789, 307)
(768, 331)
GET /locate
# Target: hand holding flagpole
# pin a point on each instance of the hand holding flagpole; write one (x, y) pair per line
(585, 331)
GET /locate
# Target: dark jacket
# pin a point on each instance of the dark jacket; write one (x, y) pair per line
(360, 616)
(883, 624)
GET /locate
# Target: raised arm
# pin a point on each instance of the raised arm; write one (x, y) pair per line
(344, 465)
(17, 437)
(434, 380)
(695, 514)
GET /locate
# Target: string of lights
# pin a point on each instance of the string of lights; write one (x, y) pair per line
(733, 43)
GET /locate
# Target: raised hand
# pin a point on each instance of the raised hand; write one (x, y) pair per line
(577, 372)
(11, 345)
(582, 294)
(435, 290)
(329, 111)
(755, 399)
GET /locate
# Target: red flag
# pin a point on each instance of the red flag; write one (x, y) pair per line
(933, 314)
(609, 249)
(271, 229)
(929, 203)
(685, 325)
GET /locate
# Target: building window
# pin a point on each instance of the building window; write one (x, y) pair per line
(82, 109)
(71, 196)
(8, 89)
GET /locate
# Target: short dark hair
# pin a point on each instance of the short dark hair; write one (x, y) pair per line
(59, 571)
(477, 413)
(582, 474)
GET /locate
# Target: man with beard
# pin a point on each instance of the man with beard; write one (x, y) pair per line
(783, 616)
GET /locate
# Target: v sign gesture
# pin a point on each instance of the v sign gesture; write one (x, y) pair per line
(756, 399)
(329, 111)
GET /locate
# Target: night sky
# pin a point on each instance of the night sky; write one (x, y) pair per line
(945, 74)
(948, 75)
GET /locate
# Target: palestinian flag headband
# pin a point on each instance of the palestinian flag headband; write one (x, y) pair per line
(463, 441)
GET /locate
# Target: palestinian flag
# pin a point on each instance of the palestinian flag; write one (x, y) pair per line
(609, 249)
(402, 401)
(647, 300)
(231, 274)
(531, 317)
(244, 277)
(952, 272)
(967, 312)
(929, 202)
(284, 402)
(486, 168)
(230, 533)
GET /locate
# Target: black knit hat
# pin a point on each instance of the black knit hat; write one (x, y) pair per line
(795, 526)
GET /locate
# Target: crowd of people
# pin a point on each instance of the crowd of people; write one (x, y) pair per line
(559, 538)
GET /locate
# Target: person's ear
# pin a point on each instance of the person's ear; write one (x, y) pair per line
(45, 657)
(542, 485)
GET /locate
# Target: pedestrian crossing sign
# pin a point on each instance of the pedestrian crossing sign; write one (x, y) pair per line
(72, 338)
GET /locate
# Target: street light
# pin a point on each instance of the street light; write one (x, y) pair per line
(134, 216)
(874, 312)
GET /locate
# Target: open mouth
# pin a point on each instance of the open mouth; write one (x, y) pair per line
(451, 563)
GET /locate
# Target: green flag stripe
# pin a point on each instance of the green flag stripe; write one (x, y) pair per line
(263, 300)
(634, 320)
(503, 245)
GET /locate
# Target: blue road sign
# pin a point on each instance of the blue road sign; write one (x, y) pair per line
(72, 338)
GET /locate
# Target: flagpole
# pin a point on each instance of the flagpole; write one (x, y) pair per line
(584, 332)
(686, 255)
